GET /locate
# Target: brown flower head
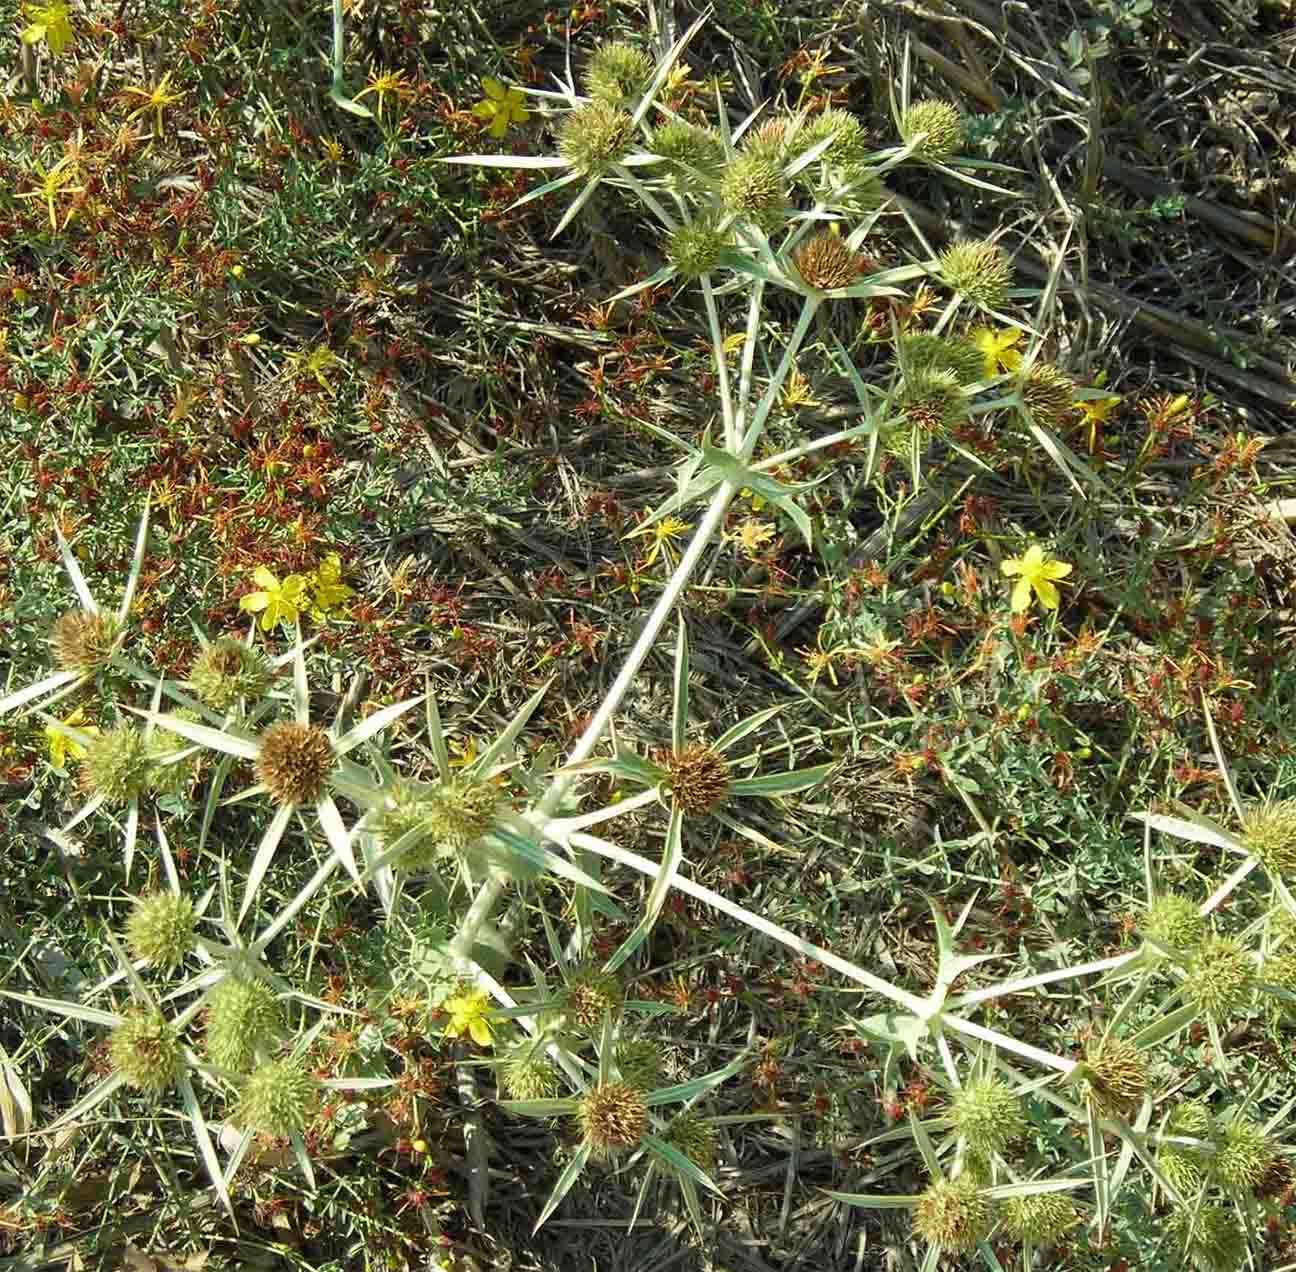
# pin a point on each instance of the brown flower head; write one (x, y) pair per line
(613, 1117)
(827, 261)
(697, 777)
(295, 761)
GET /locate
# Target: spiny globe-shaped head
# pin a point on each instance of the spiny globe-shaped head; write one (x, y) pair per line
(769, 139)
(927, 351)
(294, 761)
(1211, 1234)
(276, 1098)
(594, 137)
(849, 143)
(988, 1115)
(168, 776)
(590, 995)
(463, 809)
(1269, 832)
(696, 248)
(1183, 1166)
(639, 1062)
(827, 261)
(953, 1214)
(696, 776)
(1040, 1218)
(1175, 921)
(145, 1051)
(407, 807)
(528, 1076)
(695, 154)
(613, 1117)
(1114, 1075)
(1279, 969)
(943, 127)
(1049, 394)
(694, 1137)
(226, 672)
(161, 929)
(117, 765)
(84, 642)
(1220, 978)
(753, 186)
(977, 269)
(1243, 1152)
(243, 1015)
(618, 73)
(932, 400)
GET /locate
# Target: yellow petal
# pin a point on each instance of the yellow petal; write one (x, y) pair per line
(254, 601)
(1057, 569)
(485, 110)
(1021, 595)
(499, 125)
(481, 1032)
(1047, 593)
(1011, 568)
(265, 579)
(1033, 559)
(493, 88)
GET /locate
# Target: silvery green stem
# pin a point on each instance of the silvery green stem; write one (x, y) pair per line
(722, 366)
(480, 910)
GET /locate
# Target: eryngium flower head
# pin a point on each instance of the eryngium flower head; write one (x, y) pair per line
(168, 776)
(276, 1099)
(639, 1062)
(926, 351)
(694, 1137)
(1279, 970)
(590, 994)
(1269, 832)
(1220, 978)
(594, 137)
(116, 764)
(695, 248)
(988, 1115)
(769, 141)
(977, 269)
(294, 762)
(953, 1215)
(84, 642)
(931, 400)
(1040, 1218)
(1175, 921)
(528, 1076)
(1049, 394)
(161, 929)
(1211, 1234)
(1114, 1074)
(1243, 1152)
(450, 816)
(697, 777)
(613, 1117)
(145, 1051)
(826, 261)
(1182, 1166)
(696, 154)
(242, 1016)
(942, 124)
(753, 185)
(227, 671)
(618, 73)
(849, 144)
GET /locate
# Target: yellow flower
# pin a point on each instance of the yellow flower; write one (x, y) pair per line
(53, 184)
(664, 533)
(49, 22)
(327, 589)
(316, 363)
(502, 106)
(155, 99)
(393, 82)
(1095, 412)
(468, 1015)
(751, 536)
(1034, 573)
(999, 348)
(61, 747)
(276, 602)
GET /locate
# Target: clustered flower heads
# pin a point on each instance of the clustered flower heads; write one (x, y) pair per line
(276, 1099)
(226, 672)
(161, 929)
(84, 642)
(1175, 921)
(953, 1214)
(594, 137)
(1210, 1234)
(1040, 1218)
(243, 1015)
(613, 1117)
(294, 762)
(768, 141)
(977, 269)
(941, 123)
(849, 144)
(145, 1050)
(697, 777)
(696, 248)
(445, 818)
(169, 776)
(827, 261)
(988, 1115)
(1182, 1166)
(1114, 1073)
(618, 73)
(1220, 977)
(117, 764)
(753, 185)
(1269, 832)
(932, 400)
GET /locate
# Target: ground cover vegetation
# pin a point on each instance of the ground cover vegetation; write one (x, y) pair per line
(647, 636)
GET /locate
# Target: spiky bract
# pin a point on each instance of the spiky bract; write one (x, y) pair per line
(594, 137)
(696, 248)
(941, 123)
(926, 351)
(953, 1214)
(827, 261)
(227, 672)
(988, 1115)
(697, 777)
(243, 1016)
(1220, 979)
(117, 764)
(145, 1051)
(1210, 1234)
(1243, 1152)
(753, 185)
(1049, 394)
(84, 642)
(618, 73)
(161, 929)
(294, 762)
(1176, 921)
(1040, 1218)
(977, 269)
(1269, 832)
(613, 1117)
(276, 1099)
(169, 776)
(1114, 1076)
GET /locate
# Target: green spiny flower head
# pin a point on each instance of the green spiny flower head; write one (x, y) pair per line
(753, 186)
(827, 261)
(1049, 394)
(694, 1137)
(226, 672)
(932, 400)
(84, 642)
(953, 1214)
(618, 73)
(613, 1117)
(1220, 978)
(294, 762)
(527, 1075)
(116, 764)
(1280, 970)
(849, 143)
(942, 124)
(1185, 1167)
(695, 154)
(161, 929)
(988, 1115)
(1175, 921)
(1210, 1234)
(594, 137)
(174, 777)
(463, 809)
(696, 247)
(977, 269)
(1281, 925)
(408, 806)
(276, 1099)
(243, 1016)
(1243, 1152)
(1114, 1076)
(927, 351)
(1269, 832)
(1040, 1218)
(145, 1051)
(590, 994)
(639, 1061)
(769, 141)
